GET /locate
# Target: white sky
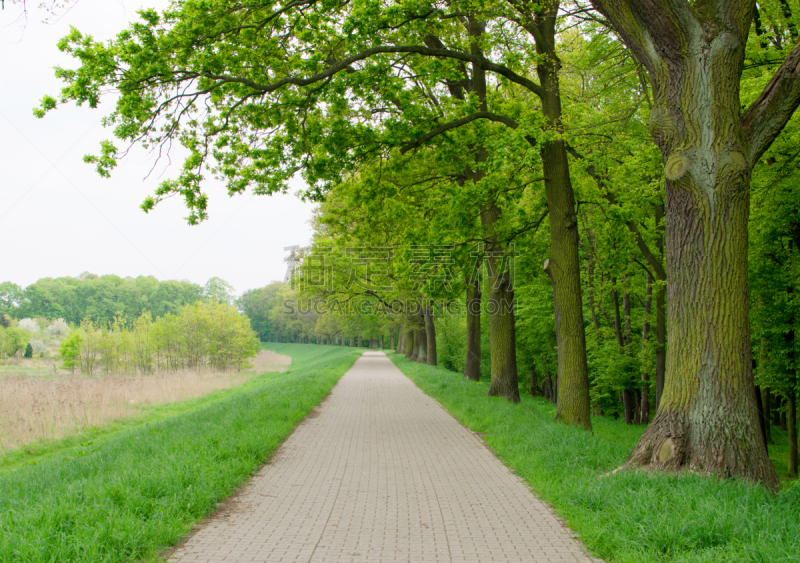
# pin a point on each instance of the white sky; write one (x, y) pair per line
(59, 218)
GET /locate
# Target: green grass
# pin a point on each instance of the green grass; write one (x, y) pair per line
(135, 491)
(631, 516)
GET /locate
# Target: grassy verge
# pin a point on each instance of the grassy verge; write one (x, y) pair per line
(35, 452)
(132, 493)
(630, 516)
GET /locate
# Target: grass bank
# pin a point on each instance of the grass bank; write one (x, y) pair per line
(136, 491)
(631, 516)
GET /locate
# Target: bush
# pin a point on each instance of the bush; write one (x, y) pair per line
(58, 329)
(29, 325)
(29, 351)
(38, 347)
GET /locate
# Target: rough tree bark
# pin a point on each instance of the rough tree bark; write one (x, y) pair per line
(502, 335)
(410, 349)
(502, 338)
(472, 362)
(661, 311)
(430, 335)
(563, 265)
(421, 341)
(534, 382)
(694, 52)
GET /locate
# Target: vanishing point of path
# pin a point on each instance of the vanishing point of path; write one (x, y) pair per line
(380, 472)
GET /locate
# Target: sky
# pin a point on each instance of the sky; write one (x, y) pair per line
(58, 217)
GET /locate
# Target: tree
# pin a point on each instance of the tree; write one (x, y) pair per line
(28, 351)
(70, 350)
(694, 54)
(58, 328)
(15, 340)
(10, 298)
(333, 96)
(101, 297)
(218, 290)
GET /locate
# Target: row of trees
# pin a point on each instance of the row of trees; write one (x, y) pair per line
(603, 146)
(204, 335)
(101, 298)
(279, 313)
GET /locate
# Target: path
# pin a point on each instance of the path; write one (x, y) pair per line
(381, 472)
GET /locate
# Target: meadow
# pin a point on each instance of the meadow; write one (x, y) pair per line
(38, 402)
(137, 488)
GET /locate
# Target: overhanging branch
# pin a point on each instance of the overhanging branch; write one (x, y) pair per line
(458, 123)
(768, 115)
(345, 63)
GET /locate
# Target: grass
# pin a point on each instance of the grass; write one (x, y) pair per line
(136, 491)
(631, 516)
(40, 410)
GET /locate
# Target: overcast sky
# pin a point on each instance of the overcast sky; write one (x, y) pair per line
(59, 218)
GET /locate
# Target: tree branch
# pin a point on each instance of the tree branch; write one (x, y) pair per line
(345, 63)
(651, 258)
(768, 115)
(458, 123)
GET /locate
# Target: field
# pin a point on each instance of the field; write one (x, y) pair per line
(138, 488)
(40, 403)
(631, 516)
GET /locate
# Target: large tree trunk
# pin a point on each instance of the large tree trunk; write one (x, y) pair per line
(502, 335)
(472, 362)
(422, 346)
(707, 420)
(410, 348)
(563, 265)
(502, 338)
(430, 334)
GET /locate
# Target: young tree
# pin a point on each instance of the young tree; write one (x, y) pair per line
(70, 350)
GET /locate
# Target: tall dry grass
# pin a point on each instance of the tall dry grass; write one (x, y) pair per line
(34, 407)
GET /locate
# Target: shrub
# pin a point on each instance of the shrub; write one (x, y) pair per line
(29, 325)
(58, 329)
(38, 347)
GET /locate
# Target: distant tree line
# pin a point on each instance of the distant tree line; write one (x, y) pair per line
(102, 298)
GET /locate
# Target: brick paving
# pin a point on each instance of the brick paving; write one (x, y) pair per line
(380, 472)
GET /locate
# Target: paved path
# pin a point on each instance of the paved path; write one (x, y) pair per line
(381, 472)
